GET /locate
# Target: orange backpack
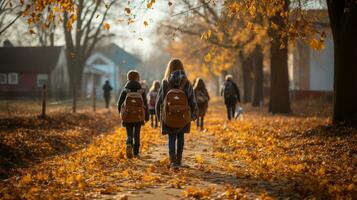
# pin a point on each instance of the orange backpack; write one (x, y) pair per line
(176, 113)
(132, 110)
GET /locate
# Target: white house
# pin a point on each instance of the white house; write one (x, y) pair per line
(25, 70)
(311, 71)
(107, 63)
(98, 69)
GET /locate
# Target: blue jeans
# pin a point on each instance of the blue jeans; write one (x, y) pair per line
(176, 150)
(133, 137)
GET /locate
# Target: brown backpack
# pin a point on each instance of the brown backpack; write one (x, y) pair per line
(132, 110)
(176, 113)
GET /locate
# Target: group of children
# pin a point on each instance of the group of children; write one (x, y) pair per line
(174, 102)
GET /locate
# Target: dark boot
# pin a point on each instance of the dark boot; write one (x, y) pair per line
(201, 124)
(173, 161)
(156, 122)
(129, 151)
(179, 159)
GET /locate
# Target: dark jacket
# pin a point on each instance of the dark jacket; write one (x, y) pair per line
(106, 89)
(202, 107)
(236, 90)
(133, 86)
(178, 77)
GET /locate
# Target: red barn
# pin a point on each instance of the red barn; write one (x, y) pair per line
(24, 70)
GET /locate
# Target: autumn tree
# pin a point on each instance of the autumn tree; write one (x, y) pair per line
(225, 31)
(282, 30)
(258, 76)
(343, 20)
(279, 78)
(83, 29)
(46, 37)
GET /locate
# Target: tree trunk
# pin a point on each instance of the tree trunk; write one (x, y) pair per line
(343, 19)
(77, 89)
(258, 77)
(247, 65)
(279, 78)
(74, 102)
(52, 39)
(72, 80)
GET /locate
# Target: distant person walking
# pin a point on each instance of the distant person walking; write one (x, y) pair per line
(231, 94)
(176, 107)
(132, 106)
(107, 88)
(202, 98)
(152, 96)
(144, 86)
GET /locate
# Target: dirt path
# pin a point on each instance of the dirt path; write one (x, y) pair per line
(201, 172)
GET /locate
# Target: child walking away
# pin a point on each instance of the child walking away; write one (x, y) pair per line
(202, 98)
(133, 109)
(152, 95)
(230, 92)
(176, 107)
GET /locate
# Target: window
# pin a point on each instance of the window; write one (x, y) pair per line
(41, 79)
(3, 78)
(13, 79)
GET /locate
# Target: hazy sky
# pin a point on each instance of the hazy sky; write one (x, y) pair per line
(128, 35)
(138, 38)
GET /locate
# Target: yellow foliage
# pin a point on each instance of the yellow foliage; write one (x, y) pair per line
(199, 159)
(199, 193)
(295, 155)
(317, 44)
(150, 3)
(106, 26)
(127, 10)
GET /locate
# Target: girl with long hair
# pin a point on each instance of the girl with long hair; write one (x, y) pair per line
(152, 96)
(175, 80)
(202, 98)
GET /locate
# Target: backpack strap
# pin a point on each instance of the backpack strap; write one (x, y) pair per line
(141, 91)
(165, 89)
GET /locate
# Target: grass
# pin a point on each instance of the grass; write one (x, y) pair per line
(15, 108)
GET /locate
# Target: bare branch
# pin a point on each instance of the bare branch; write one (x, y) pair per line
(191, 9)
(11, 23)
(96, 35)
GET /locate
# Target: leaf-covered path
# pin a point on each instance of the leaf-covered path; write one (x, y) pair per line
(199, 175)
(262, 156)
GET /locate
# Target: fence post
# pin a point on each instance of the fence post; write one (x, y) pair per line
(7, 107)
(94, 99)
(44, 98)
(74, 105)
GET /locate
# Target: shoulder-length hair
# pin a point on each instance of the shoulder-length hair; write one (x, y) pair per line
(199, 84)
(174, 65)
(133, 75)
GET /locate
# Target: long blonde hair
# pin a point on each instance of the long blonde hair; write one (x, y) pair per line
(155, 86)
(174, 65)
